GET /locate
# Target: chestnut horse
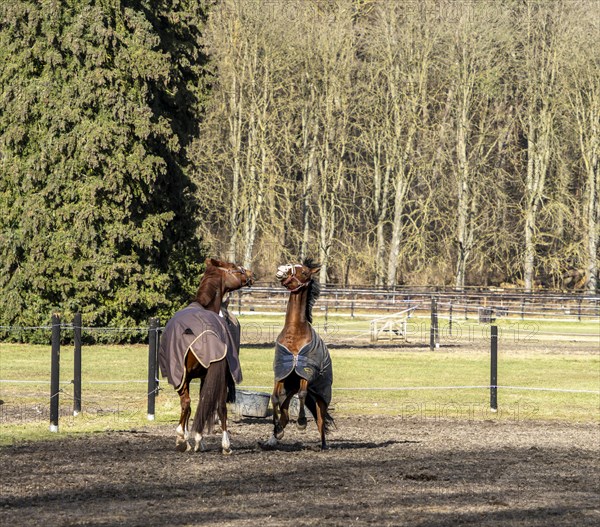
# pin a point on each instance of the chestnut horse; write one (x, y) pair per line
(302, 363)
(202, 341)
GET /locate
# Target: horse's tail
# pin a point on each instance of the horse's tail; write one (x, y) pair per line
(230, 386)
(311, 404)
(213, 392)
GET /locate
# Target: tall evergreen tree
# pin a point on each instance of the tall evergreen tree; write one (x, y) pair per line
(98, 101)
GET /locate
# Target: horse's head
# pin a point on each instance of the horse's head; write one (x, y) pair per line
(234, 276)
(220, 278)
(297, 276)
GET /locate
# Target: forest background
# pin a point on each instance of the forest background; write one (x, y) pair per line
(398, 142)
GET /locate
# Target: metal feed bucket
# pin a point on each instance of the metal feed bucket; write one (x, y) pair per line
(251, 404)
(295, 408)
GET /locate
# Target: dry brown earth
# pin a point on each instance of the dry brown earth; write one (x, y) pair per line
(379, 471)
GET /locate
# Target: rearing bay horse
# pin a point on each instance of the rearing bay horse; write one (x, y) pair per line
(202, 341)
(302, 364)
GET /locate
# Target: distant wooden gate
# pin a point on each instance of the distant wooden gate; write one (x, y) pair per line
(390, 327)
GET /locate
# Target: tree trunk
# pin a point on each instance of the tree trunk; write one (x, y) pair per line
(326, 221)
(381, 210)
(308, 177)
(402, 182)
(401, 189)
(537, 169)
(593, 214)
(235, 139)
(463, 226)
(254, 212)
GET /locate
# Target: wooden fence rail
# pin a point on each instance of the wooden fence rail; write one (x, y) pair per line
(350, 302)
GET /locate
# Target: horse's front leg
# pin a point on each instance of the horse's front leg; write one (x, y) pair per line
(280, 400)
(181, 443)
(301, 422)
(276, 400)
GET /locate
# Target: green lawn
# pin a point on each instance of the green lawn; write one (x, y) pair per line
(404, 382)
(258, 329)
(400, 379)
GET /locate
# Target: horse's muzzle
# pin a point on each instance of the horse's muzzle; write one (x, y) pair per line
(282, 271)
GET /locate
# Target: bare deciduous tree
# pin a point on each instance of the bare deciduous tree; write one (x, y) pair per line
(582, 88)
(539, 29)
(477, 65)
(429, 140)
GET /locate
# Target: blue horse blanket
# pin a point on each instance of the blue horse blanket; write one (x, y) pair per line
(312, 363)
(204, 333)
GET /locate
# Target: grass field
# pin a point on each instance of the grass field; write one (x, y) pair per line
(388, 378)
(258, 329)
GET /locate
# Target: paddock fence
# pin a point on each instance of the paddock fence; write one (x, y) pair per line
(445, 313)
(468, 303)
(138, 389)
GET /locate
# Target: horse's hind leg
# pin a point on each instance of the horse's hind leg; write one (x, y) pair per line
(301, 422)
(181, 443)
(222, 414)
(321, 413)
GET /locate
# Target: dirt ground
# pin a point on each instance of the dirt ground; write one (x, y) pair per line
(378, 471)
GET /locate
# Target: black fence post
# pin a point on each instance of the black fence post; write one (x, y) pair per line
(152, 365)
(55, 373)
(77, 364)
(437, 326)
(494, 369)
(431, 336)
(450, 319)
(522, 309)
(434, 339)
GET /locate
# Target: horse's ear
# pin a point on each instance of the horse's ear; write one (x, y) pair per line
(211, 261)
(315, 270)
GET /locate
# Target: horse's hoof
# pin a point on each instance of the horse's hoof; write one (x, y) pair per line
(278, 431)
(266, 446)
(269, 444)
(181, 445)
(301, 423)
(227, 451)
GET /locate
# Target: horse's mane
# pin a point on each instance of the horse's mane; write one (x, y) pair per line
(314, 289)
(209, 286)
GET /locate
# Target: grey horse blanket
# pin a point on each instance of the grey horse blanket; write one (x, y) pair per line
(205, 334)
(312, 363)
